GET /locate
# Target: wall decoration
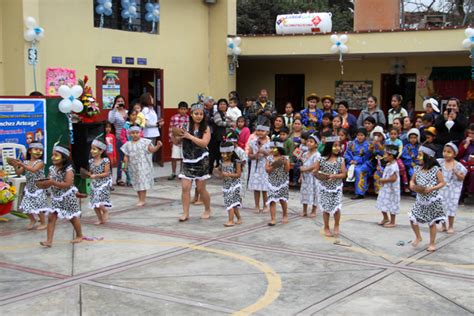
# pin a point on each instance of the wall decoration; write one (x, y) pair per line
(339, 47)
(56, 77)
(354, 92)
(33, 34)
(104, 7)
(152, 15)
(233, 49)
(110, 88)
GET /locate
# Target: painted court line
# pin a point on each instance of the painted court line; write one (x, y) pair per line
(16, 267)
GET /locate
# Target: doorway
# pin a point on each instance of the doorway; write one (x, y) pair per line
(289, 88)
(404, 84)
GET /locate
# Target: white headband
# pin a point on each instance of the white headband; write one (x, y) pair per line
(134, 129)
(332, 139)
(197, 106)
(276, 144)
(62, 150)
(428, 151)
(453, 147)
(36, 145)
(316, 139)
(392, 152)
(263, 128)
(97, 143)
(227, 149)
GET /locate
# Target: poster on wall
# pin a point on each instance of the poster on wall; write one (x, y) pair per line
(110, 88)
(23, 121)
(354, 92)
(56, 77)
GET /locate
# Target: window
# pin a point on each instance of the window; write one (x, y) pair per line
(116, 22)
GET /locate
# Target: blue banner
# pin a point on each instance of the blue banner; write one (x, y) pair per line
(23, 121)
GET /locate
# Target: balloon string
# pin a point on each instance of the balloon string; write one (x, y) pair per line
(101, 20)
(235, 60)
(153, 28)
(33, 46)
(341, 62)
(71, 133)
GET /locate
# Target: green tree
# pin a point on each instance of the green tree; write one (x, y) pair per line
(258, 16)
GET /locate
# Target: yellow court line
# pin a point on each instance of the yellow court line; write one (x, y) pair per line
(273, 279)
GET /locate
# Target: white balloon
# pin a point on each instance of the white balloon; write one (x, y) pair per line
(334, 49)
(29, 35)
(237, 41)
(40, 35)
(132, 10)
(156, 13)
(449, 124)
(108, 5)
(229, 51)
(30, 22)
(229, 41)
(76, 91)
(343, 48)
(64, 91)
(65, 106)
(344, 38)
(466, 43)
(469, 32)
(236, 51)
(77, 106)
(334, 38)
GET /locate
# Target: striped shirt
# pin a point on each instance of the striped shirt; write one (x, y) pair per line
(118, 121)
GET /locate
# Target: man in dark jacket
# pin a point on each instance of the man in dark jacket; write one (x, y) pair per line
(261, 108)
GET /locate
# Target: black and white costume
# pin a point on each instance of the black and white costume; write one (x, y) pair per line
(34, 199)
(100, 187)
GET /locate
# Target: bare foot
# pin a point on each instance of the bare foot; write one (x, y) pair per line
(140, 204)
(443, 229)
(336, 231)
(97, 223)
(265, 209)
(206, 214)
(31, 225)
(304, 214)
(389, 225)
(229, 224)
(284, 219)
(42, 227)
(327, 233)
(198, 202)
(431, 248)
(450, 231)
(257, 210)
(312, 215)
(46, 244)
(239, 222)
(183, 218)
(272, 223)
(76, 240)
(383, 222)
(416, 242)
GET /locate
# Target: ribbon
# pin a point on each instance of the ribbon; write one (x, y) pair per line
(71, 132)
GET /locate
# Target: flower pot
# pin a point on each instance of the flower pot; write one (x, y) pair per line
(6, 208)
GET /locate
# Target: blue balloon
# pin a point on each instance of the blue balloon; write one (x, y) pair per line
(101, 1)
(125, 3)
(125, 14)
(231, 45)
(108, 12)
(100, 9)
(157, 6)
(149, 7)
(134, 16)
(156, 19)
(149, 17)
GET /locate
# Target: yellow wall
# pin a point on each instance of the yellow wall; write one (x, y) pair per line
(320, 75)
(359, 43)
(2, 88)
(183, 49)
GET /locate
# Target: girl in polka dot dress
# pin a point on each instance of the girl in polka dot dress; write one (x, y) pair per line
(34, 200)
(427, 180)
(99, 172)
(231, 169)
(64, 204)
(278, 167)
(330, 170)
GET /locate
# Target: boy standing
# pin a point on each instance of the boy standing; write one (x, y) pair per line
(179, 120)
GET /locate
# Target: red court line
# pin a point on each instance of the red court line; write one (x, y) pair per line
(17, 267)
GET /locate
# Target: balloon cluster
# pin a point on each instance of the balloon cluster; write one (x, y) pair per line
(468, 42)
(233, 49)
(34, 33)
(104, 7)
(152, 14)
(129, 10)
(70, 102)
(339, 46)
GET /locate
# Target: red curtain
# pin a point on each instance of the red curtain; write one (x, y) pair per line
(452, 88)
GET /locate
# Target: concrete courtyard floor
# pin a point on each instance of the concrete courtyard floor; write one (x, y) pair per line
(150, 264)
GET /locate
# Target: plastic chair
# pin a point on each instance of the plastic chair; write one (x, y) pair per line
(10, 150)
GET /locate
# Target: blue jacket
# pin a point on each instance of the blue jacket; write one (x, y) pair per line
(359, 152)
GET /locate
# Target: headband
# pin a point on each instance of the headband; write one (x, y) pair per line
(315, 137)
(97, 143)
(428, 151)
(227, 149)
(62, 150)
(36, 145)
(263, 128)
(392, 152)
(197, 106)
(332, 139)
(276, 144)
(134, 129)
(232, 140)
(453, 146)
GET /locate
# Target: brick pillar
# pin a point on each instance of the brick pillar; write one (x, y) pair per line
(376, 15)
